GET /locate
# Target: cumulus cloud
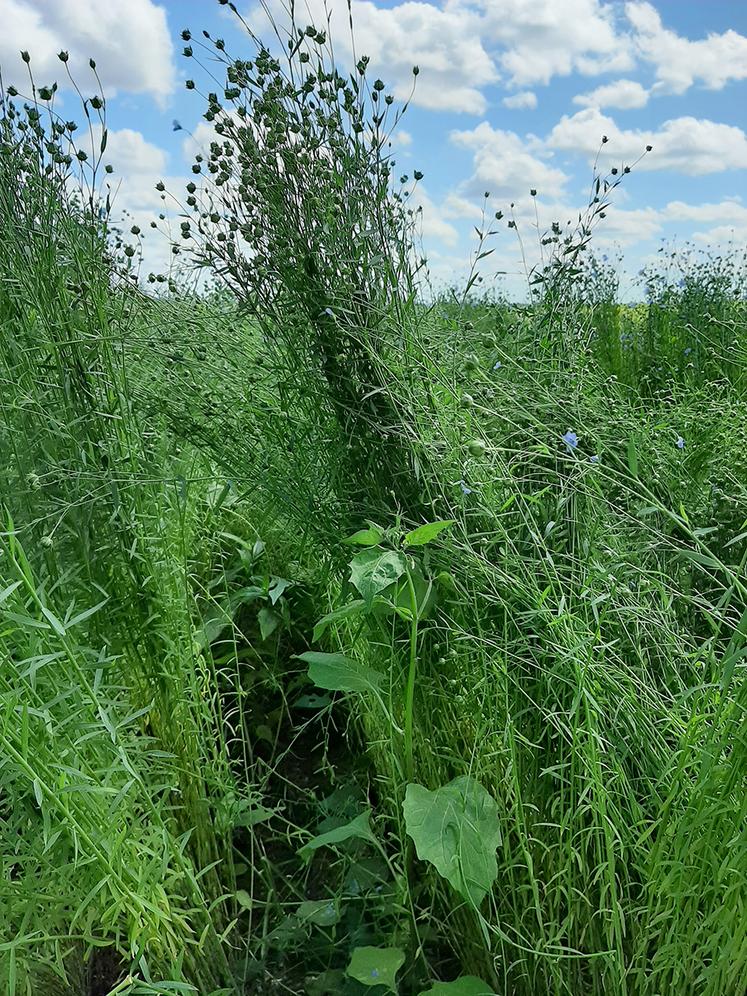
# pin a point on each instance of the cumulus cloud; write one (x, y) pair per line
(680, 62)
(524, 100)
(545, 38)
(625, 94)
(506, 165)
(129, 39)
(138, 166)
(693, 146)
(433, 225)
(726, 210)
(444, 42)
(729, 216)
(464, 46)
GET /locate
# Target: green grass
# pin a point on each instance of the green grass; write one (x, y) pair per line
(181, 473)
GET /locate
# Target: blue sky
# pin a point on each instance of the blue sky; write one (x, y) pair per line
(511, 95)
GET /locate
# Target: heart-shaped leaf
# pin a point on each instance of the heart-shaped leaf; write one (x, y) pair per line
(338, 673)
(376, 966)
(371, 571)
(457, 829)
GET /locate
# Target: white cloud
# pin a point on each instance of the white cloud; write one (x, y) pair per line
(726, 210)
(433, 225)
(545, 38)
(129, 39)
(138, 166)
(680, 62)
(464, 46)
(459, 207)
(505, 165)
(444, 43)
(134, 156)
(625, 94)
(693, 146)
(731, 213)
(626, 227)
(525, 99)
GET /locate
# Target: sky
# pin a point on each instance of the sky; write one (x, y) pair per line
(512, 95)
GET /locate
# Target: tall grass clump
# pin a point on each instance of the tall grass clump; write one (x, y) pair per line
(291, 206)
(112, 747)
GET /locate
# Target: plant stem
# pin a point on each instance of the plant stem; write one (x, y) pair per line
(411, 672)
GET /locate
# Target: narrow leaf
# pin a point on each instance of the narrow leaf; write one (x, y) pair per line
(424, 534)
(359, 828)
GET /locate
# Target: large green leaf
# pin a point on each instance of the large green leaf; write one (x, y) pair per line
(467, 985)
(376, 966)
(371, 571)
(338, 673)
(424, 534)
(456, 828)
(360, 827)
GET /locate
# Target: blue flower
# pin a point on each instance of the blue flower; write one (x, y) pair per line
(688, 350)
(571, 440)
(680, 444)
(594, 459)
(465, 489)
(497, 365)
(374, 973)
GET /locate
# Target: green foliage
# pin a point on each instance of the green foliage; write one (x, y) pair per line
(466, 985)
(376, 966)
(359, 827)
(538, 775)
(427, 533)
(457, 829)
(374, 571)
(339, 673)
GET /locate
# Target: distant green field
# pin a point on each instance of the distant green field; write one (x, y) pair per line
(350, 637)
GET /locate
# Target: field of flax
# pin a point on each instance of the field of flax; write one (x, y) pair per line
(353, 638)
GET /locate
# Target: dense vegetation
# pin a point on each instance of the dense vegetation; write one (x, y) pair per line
(352, 637)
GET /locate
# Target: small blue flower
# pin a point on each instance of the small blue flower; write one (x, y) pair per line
(374, 973)
(688, 350)
(680, 444)
(594, 459)
(466, 490)
(497, 365)
(570, 439)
